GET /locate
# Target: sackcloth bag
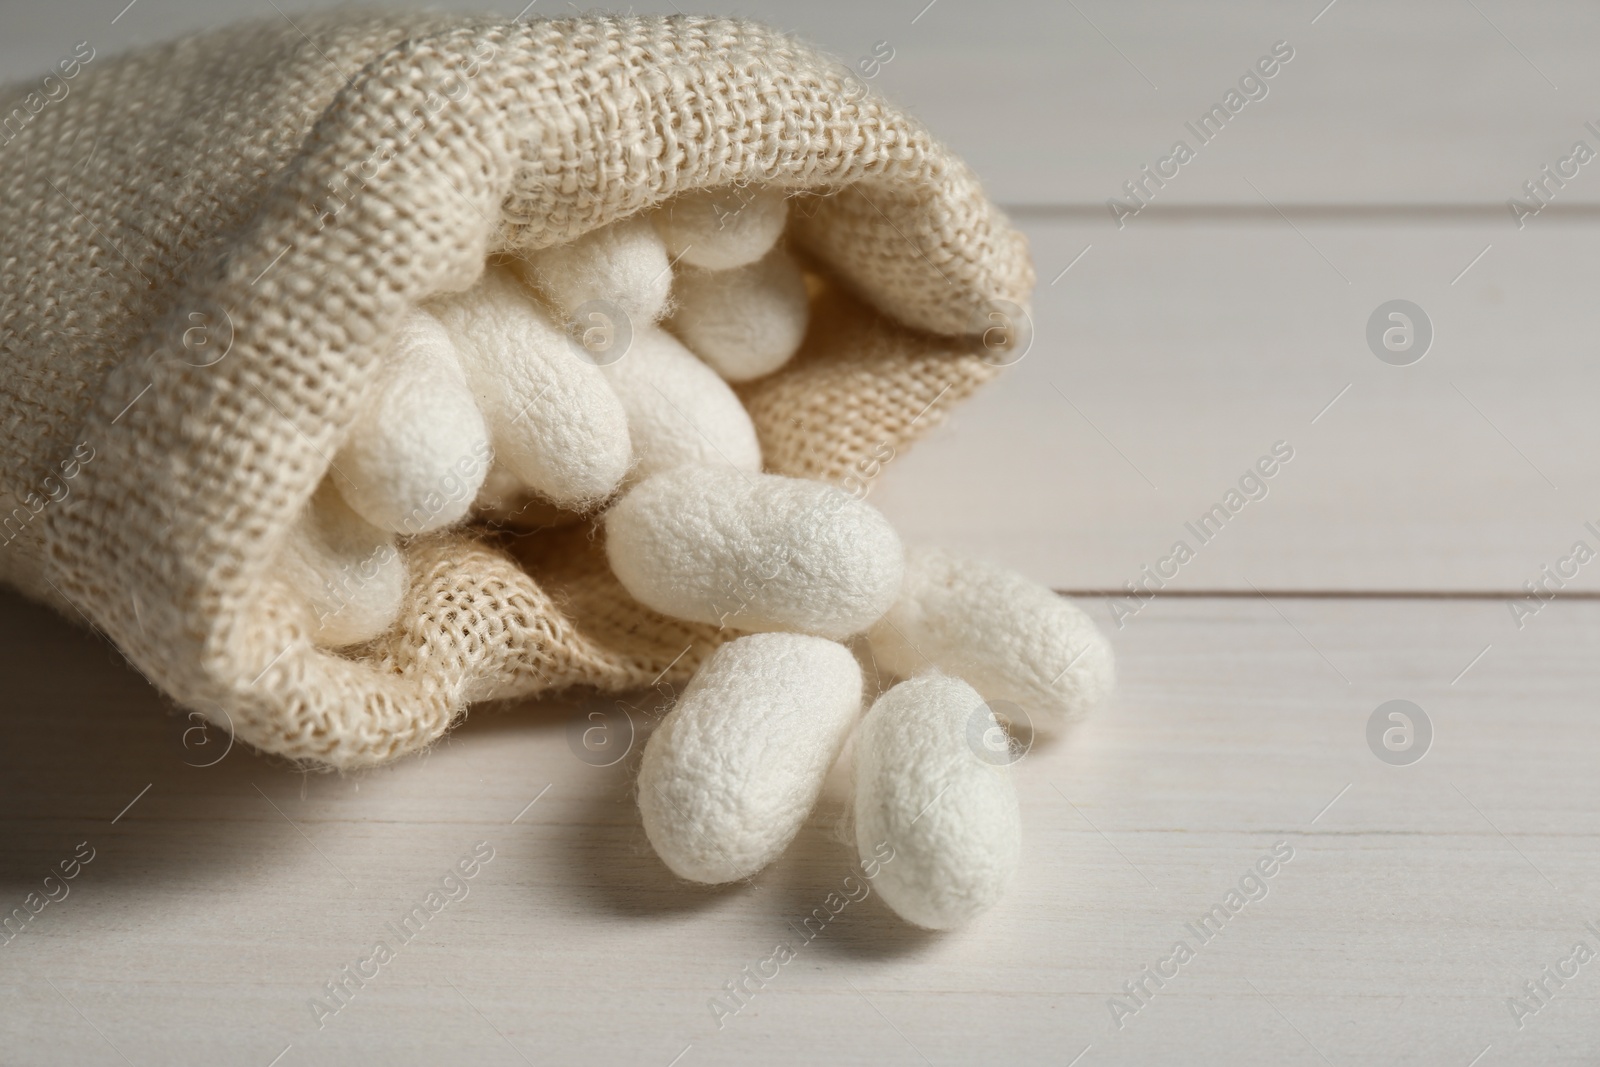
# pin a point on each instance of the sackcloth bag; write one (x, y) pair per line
(206, 246)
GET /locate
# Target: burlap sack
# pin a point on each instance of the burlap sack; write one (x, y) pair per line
(204, 248)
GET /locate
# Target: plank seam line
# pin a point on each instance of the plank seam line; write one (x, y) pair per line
(1329, 594)
(1305, 212)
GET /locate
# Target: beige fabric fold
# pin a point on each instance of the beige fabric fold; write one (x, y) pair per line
(206, 246)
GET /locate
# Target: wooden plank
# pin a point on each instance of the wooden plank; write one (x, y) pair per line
(1423, 103)
(1170, 359)
(1418, 898)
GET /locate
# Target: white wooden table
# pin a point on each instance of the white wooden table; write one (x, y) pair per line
(1170, 354)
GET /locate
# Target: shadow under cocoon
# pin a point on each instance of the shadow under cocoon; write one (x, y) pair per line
(604, 851)
(811, 882)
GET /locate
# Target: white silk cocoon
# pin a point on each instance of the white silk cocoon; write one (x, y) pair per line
(732, 772)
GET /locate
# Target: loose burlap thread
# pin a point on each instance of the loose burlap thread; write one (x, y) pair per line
(206, 246)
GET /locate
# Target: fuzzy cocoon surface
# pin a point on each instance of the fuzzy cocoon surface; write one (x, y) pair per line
(1011, 638)
(745, 322)
(418, 451)
(950, 816)
(554, 421)
(722, 228)
(348, 570)
(624, 265)
(679, 411)
(733, 771)
(754, 552)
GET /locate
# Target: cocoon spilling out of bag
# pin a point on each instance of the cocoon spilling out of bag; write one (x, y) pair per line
(734, 769)
(209, 329)
(418, 452)
(1014, 640)
(679, 411)
(754, 552)
(554, 419)
(950, 817)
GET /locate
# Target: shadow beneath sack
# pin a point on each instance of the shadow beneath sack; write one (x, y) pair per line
(97, 755)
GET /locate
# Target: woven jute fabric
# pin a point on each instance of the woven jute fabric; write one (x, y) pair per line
(205, 248)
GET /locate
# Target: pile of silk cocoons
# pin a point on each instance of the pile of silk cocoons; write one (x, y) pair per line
(594, 377)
